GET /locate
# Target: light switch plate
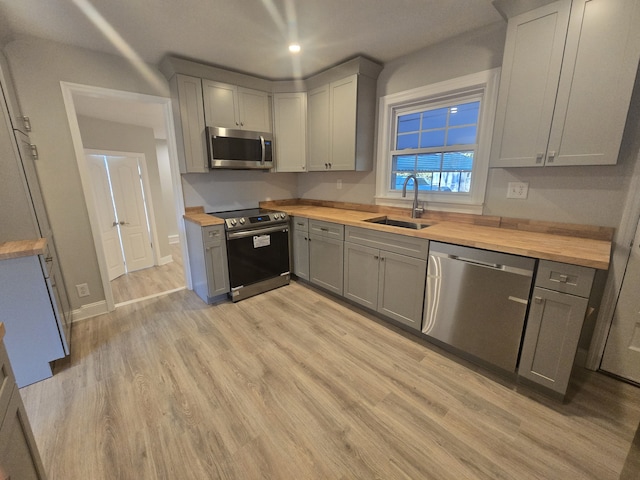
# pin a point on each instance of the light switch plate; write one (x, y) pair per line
(517, 190)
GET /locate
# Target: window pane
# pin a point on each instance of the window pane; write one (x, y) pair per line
(457, 161)
(429, 162)
(461, 136)
(434, 119)
(409, 140)
(465, 114)
(409, 123)
(406, 163)
(434, 138)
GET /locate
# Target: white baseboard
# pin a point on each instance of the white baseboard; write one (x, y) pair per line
(89, 310)
(173, 239)
(165, 260)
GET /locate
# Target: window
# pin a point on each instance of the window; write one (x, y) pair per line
(441, 134)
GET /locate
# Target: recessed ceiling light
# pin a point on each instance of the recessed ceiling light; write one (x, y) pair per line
(294, 48)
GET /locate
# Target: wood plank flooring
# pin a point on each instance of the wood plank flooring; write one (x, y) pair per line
(150, 281)
(293, 384)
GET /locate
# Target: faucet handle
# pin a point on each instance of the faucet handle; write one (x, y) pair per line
(418, 211)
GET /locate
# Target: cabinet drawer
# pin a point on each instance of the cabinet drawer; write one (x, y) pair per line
(326, 229)
(213, 236)
(565, 278)
(300, 224)
(391, 242)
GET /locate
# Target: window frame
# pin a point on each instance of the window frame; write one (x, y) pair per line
(482, 85)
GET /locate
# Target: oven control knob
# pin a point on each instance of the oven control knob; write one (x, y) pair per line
(242, 221)
(233, 222)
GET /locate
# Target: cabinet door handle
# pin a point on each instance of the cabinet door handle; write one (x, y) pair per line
(551, 156)
(27, 123)
(539, 157)
(34, 151)
(376, 257)
(538, 299)
(329, 165)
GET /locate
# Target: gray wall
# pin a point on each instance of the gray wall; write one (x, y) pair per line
(38, 67)
(103, 135)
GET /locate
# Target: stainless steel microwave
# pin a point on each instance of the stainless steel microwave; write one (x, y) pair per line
(239, 149)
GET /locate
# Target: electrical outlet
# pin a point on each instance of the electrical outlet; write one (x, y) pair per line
(83, 290)
(339, 184)
(517, 190)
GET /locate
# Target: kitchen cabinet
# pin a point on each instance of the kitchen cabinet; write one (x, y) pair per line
(386, 273)
(326, 255)
(188, 115)
(231, 106)
(341, 117)
(208, 260)
(19, 457)
(290, 131)
(300, 247)
(559, 304)
(567, 77)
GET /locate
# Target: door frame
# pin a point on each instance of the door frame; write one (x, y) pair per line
(68, 90)
(148, 200)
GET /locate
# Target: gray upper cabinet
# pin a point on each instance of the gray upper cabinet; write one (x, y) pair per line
(567, 77)
(290, 128)
(341, 118)
(230, 106)
(188, 114)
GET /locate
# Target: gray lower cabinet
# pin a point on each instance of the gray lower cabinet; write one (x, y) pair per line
(383, 280)
(19, 457)
(326, 255)
(300, 247)
(559, 304)
(208, 260)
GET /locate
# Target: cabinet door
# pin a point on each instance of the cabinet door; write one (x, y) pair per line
(19, 455)
(326, 259)
(551, 338)
(361, 274)
(301, 254)
(255, 110)
(528, 85)
(221, 107)
(401, 288)
(290, 115)
(343, 108)
(598, 74)
(318, 128)
(193, 159)
(215, 254)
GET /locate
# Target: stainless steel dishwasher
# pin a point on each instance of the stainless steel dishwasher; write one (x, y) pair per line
(476, 301)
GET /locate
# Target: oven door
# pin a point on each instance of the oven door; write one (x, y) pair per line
(257, 254)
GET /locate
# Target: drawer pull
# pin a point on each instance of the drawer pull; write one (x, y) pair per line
(538, 299)
(563, 278)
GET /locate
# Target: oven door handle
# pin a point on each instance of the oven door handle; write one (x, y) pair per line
(257, 231)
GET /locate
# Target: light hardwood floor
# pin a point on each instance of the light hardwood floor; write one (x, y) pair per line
(292, 384)
(150, 281)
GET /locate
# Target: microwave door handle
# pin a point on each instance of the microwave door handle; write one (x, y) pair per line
(262, 157)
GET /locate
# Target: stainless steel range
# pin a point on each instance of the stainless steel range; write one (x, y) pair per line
(257, 250)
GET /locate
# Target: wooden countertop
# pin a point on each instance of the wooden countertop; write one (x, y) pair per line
(480, 232)
(575, 250)
(22, 248)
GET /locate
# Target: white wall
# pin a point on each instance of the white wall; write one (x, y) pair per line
(166, 186)
(119, 137)
(38, 67)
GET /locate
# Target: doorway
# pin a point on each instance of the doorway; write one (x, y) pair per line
(121, 107)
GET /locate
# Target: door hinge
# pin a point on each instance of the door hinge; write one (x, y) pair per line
(34, 151)
(26, 121)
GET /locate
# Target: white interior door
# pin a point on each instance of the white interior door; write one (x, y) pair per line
(106, 216)
(128, 195)
(622, 351)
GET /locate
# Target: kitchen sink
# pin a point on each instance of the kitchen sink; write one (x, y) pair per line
(398, 223)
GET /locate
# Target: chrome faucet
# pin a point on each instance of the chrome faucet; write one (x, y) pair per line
(416, 211)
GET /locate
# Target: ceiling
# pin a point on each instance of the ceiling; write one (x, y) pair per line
(249, 36)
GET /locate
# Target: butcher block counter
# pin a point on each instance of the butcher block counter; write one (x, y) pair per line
(582, 245)
(22, 248)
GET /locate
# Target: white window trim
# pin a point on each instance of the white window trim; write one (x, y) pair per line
(486, 81)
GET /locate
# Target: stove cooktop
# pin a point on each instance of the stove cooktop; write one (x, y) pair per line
(250, 218)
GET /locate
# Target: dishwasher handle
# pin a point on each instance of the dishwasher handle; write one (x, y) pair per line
(527, 272)
(495, 266)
